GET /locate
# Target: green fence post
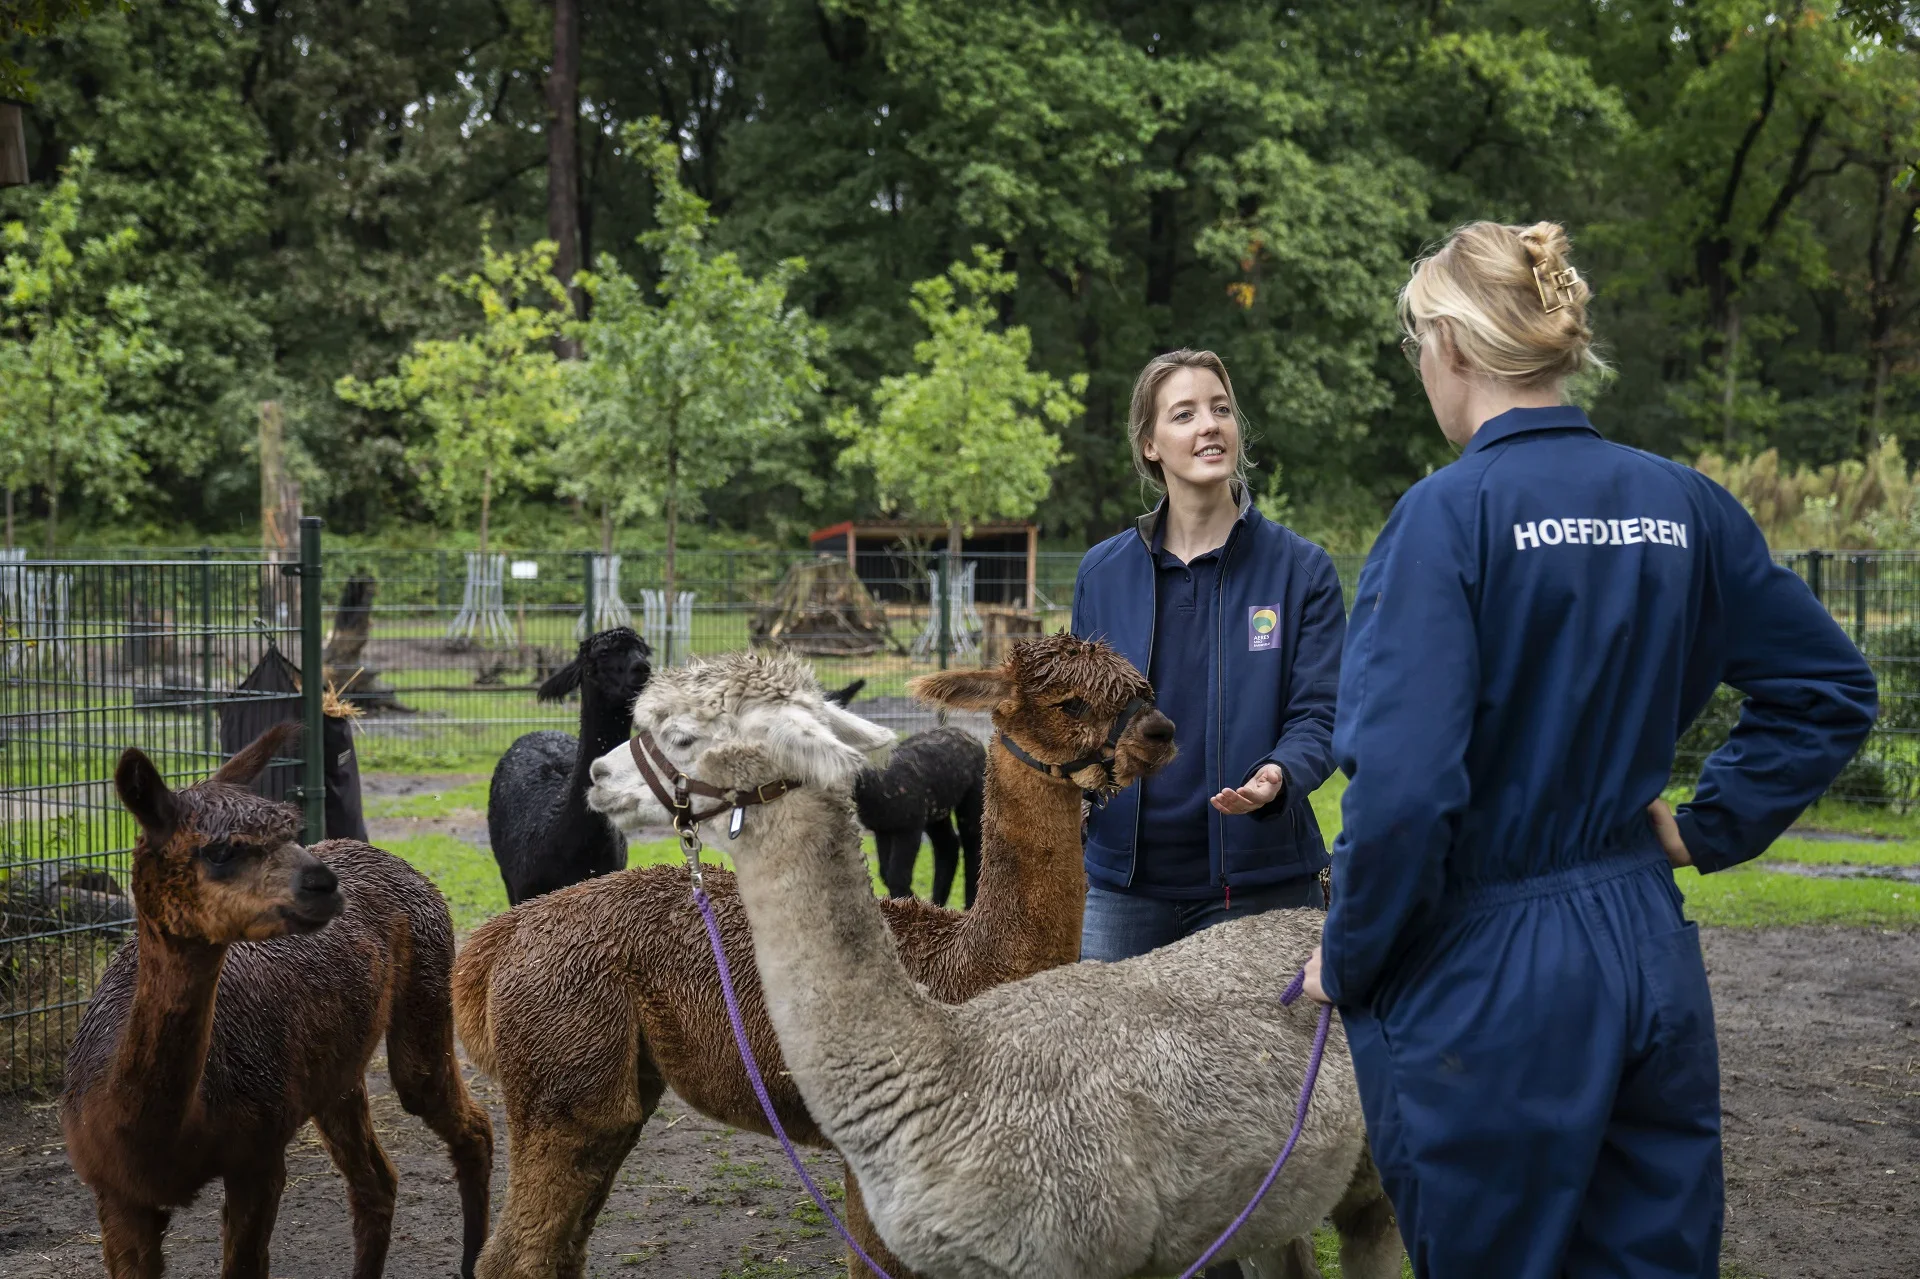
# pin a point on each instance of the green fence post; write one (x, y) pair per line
(313, 787)
(206, 658)
(586, 575)
(1859, 600)
(943, 587)
(1814, 584)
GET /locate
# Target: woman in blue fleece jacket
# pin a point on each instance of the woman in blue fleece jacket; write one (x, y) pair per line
(1238, 624)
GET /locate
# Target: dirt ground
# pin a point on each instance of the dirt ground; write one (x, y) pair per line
(1820, 1043)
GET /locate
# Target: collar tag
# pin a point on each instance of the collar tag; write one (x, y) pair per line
(735, 822)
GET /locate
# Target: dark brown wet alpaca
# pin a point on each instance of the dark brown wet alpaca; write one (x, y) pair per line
(199, 1058)
(587, 1004)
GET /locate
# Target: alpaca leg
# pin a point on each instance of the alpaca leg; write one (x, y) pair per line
(1292, 1260)
(557, 1175)
(966, 815)
(946, 857)
(346, 1129)
(130, 1236)
(246, 1221)
(608, 1154)
(1370, 1246)
(860, 1226)
(600, 1165)
(899, 850)
(426, 1077)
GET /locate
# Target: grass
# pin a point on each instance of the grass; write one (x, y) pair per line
(470, 880)
(1752, 896)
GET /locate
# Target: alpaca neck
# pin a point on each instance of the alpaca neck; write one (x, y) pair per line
(604, 724)
(1033, 885)
(154, 1082)
(828, 967)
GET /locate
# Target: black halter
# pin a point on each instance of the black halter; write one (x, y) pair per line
(1101, 758)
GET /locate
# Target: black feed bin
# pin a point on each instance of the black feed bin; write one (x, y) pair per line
(270, 694)
(13, 144)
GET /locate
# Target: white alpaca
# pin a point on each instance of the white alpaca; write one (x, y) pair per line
(1091, 1122)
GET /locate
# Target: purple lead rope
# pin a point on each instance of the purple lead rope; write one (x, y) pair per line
(1287, 997)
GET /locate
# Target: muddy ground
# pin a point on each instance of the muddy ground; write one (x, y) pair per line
(1820, 1044)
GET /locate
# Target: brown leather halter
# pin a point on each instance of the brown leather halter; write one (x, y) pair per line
(675, 790)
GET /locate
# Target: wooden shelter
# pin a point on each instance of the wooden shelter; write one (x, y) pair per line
(890, 556)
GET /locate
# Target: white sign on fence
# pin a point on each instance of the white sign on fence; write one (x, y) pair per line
(525, 569)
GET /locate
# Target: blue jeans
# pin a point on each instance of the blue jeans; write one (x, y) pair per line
(1122, 925)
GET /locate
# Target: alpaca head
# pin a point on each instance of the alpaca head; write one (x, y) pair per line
(1057, 697)
(218, 863)
(615, 664)
(768, 700)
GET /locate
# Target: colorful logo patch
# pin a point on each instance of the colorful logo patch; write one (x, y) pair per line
(1263, 627)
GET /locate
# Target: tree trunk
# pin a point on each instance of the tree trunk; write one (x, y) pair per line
(9, 517)
(673, 539)
(486, 505)
(1727, 431)
(606, 528)
(563, 156)
(53, 497)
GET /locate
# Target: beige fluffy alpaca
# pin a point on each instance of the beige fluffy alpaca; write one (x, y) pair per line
(1091, 1122)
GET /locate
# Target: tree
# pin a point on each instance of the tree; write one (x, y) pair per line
(563, 151)
(683, 392)
(76, 347)
(967, 438)
(491, 397)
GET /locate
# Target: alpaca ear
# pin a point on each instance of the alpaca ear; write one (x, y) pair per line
(561, 682)
(145, 794)
(964, 690)
(252, 760)
(845, 696)
(863, 735)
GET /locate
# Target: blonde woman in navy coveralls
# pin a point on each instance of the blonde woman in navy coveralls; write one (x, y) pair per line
(1540, 620)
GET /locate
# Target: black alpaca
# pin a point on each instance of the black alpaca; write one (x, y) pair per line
(544, 835)
(931, 785)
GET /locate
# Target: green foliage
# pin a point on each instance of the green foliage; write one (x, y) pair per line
(1739, 179)
(492, 397)
(76, 350)
(1851, 505)
(38, 19)
(684, 392)
(967, 439)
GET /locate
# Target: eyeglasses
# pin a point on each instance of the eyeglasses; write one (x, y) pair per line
(1410, 347)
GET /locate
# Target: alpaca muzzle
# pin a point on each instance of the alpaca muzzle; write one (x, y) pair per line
(675, 791)
(1102, 758)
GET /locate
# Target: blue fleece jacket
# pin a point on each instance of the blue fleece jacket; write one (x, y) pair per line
(1275, 624)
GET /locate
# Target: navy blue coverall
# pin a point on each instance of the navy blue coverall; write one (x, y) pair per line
(1526, 1006)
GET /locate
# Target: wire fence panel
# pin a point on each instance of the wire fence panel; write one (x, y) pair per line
(97, 656)
(444, 651)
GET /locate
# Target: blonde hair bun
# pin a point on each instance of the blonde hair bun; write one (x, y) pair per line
(1508, 300)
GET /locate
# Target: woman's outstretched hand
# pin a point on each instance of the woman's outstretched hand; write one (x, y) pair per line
(1668, 832)
(1259, 791)
(1311, 987)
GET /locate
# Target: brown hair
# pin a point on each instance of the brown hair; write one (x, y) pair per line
(1146, 398)
(1508, 301)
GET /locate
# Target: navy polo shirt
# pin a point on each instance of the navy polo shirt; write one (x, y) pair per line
(1174, 854)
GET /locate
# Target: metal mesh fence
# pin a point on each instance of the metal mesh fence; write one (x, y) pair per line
(95, 657)
(443, 653)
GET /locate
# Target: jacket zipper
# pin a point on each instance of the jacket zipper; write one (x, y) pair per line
(1220, 700)
(1139, 799)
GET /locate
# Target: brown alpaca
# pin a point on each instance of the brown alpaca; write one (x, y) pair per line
(198, 1058)
(587, 1004)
